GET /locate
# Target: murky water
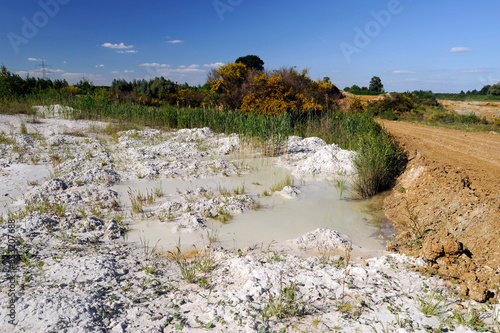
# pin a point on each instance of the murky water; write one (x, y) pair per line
(317, 206)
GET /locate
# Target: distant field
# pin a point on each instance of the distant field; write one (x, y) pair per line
(467, 98)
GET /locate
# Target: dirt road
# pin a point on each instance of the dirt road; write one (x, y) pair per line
(478, 154)
(446, 207)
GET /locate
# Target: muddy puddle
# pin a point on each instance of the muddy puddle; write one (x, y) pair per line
(318, 205)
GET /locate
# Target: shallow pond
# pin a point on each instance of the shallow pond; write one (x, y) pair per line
(318, 205)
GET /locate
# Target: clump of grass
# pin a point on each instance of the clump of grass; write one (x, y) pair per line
(193, 270)
(429, 305)
(288, 181)
(23, 128)
(340, 184)
(5, 140)
(223, 191)
(135, 200)
(287, 302)
(379, 160)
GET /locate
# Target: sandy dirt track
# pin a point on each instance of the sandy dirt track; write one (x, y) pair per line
(478, 154)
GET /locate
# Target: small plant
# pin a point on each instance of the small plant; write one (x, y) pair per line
(159, 191)
(23, 129)
(286, 303)
(415, 226)
(340, 186)
(239, 190)
(223, 216)
(472, 319)
(342, 307)
(223, 191)
(135, 200)
(288, 181)
(430, 305)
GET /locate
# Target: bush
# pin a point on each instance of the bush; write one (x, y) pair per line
(271, 92)
(399, 104)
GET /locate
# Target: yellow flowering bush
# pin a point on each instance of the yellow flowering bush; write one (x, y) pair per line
(71, 90)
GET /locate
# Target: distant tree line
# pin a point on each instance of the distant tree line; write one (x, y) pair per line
(12, 85)
(375, 88)
(243, 85)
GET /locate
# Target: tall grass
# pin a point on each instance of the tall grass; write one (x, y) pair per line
(380, 158)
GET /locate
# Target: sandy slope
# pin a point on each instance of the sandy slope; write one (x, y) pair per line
(490, 110)
(451, 187)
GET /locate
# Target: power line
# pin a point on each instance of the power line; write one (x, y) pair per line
(44, 68)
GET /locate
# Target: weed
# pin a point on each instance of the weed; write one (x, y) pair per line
(414, 225)
(223, 191)
(239, 190)
(347, 270)
(135, 200)
(286, 303)
(223, 216)
(288, 181)
(23, 128)
(471, 319)
(159, 191)
(340, 186)
(429, 305)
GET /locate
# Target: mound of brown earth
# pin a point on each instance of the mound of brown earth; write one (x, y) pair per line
(446, 206)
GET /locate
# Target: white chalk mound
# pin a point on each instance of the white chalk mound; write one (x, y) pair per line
(313, 157)
(325, 239)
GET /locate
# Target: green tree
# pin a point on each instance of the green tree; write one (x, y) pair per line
(252, 62)
(376, 85)
(484, 90)
(494, 89)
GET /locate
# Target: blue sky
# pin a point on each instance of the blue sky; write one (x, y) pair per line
(442, 45)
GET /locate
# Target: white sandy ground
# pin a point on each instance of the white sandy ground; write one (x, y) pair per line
(76, 273)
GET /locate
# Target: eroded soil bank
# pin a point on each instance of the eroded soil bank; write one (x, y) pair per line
(446, 207)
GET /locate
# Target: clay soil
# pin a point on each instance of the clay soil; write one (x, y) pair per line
(446, 205)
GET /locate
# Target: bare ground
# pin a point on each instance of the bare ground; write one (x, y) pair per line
(446, 206)
(489, 110)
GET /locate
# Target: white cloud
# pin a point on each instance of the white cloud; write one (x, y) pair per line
(460, 49)
(403, 72)
(120, 46)
(128, 51)
(75, 77)
(175, 41)
(336, 71)
(101, 65)
(34, 59)
(153, 64)
(39, 72)
(115, 72)
(188, 69)
(65, 62)
(474, 71)
(128, 71)
(214, 65)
